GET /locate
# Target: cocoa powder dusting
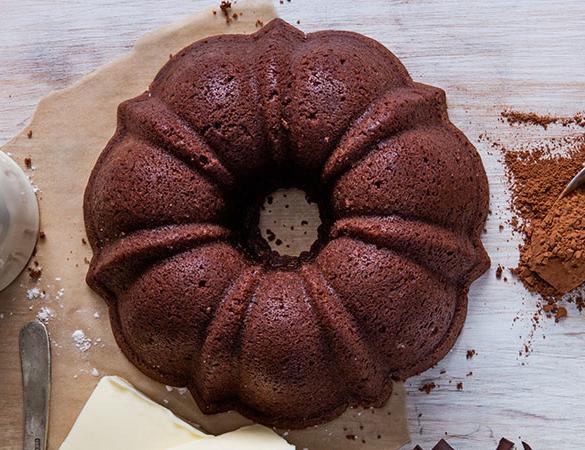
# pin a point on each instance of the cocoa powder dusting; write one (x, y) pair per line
(531, 118)
(537, 177)
(557, 253)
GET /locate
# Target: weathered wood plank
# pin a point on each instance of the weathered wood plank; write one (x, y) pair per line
(487, 55)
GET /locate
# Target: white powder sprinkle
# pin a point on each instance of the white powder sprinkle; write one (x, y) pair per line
(34, 293)
(60, 293)
(82, 342)
(182, 390)
(165, 401)
(96, 315)
(1, 315)
(57, 278)
(94, 372)
(45, 314)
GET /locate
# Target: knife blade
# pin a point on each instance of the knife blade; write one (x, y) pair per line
(35, 360)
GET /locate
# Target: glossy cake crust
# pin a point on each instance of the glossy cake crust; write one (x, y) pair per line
(197, 299)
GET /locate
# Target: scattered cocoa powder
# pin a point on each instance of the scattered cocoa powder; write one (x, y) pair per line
(42, 235)
(28, 162)
(557, 253)
(531, 118)
(470, 354)
(29, 134)
(537, 173)
(499, 271)
(460, 386)
(259, 23)
(537, 176)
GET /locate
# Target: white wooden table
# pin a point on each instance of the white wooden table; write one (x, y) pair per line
(528, 55)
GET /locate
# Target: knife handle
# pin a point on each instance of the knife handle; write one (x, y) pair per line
(35, 360)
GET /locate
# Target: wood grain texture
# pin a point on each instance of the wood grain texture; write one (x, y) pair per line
(526, 55)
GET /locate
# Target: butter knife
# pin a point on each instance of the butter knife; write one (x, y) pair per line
(35, 360)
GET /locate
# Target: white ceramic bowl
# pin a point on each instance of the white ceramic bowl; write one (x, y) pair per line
(19, 220)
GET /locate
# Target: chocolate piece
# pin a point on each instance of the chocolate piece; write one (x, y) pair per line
(505, 444)
(442, 445)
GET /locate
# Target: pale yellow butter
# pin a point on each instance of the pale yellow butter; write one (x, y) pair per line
(118, 417)
(255, 437)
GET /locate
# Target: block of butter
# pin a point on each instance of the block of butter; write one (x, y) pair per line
(255, 437)
(118, 417)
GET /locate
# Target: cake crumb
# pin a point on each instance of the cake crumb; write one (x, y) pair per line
(28, 162)
(460, 386)
(225, 7)
(35, 272)
(427, 387)
(259, 23)
(561, 312)
(29, 134)
(470, 354)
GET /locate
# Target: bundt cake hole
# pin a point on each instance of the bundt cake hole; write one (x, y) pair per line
(280, 223)
(289, 222)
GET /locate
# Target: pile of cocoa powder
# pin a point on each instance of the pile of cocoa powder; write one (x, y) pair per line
(537, 176)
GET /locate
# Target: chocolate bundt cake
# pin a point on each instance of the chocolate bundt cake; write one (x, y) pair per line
(171, 211)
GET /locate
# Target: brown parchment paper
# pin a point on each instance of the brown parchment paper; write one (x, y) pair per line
(69, 130)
